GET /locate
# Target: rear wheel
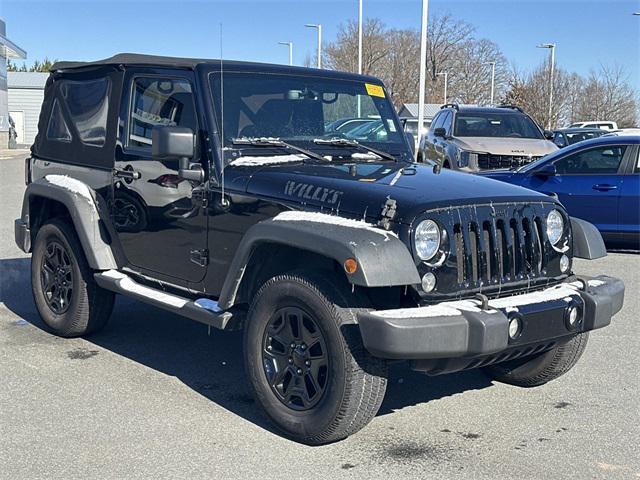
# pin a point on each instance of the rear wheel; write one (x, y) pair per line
(541, 368)
(306, 363)
(69, 301)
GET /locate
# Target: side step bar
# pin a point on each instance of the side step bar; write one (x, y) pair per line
(202, 310)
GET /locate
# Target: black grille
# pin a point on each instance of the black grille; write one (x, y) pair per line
(499, 249)
(495, 249)
(489, 162)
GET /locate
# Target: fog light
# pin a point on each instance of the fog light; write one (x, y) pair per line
(515, 327)
(573, 316)
(564, 263)
(428, 282)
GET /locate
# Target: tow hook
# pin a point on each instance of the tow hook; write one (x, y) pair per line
(584, 282)
(484, 300)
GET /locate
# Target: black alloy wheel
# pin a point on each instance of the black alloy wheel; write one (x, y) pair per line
(56, 277)
(295, 359)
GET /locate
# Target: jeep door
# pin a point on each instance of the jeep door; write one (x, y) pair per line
(157, 214)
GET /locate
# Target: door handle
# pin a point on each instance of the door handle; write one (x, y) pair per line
(604, 187)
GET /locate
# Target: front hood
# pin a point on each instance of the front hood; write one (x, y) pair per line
(361, 190)
(507, 146)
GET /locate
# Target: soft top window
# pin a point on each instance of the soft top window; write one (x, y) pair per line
(57, 129)
(88, 105)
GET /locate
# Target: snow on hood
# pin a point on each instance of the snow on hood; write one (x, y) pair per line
(507, 146)
(314, 217)
(261, 161)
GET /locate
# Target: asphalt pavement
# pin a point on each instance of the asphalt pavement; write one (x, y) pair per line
(157, 396)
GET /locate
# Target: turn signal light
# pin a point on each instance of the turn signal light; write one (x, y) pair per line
(350, 265)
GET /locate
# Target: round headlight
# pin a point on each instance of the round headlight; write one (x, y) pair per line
(555, 226)
(427, 239)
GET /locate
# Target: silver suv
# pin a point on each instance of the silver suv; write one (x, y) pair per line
(484, 138)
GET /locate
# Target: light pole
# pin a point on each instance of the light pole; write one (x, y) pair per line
(493, 78)
(423, 70)
(319, 28)
(290, 45)
(552, 47)
(360, 37)
(446, 78)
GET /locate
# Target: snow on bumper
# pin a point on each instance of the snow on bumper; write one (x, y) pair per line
(463, 329)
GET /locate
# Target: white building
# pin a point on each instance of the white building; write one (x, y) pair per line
(26, 92)
(8, 49)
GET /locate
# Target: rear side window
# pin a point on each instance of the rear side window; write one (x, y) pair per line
(159, 102)
(57, 129)
(603, 160)
(88, 106)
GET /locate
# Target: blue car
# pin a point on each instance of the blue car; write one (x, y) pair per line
(597, 180)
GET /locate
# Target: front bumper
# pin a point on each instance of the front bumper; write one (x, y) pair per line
(463, 329)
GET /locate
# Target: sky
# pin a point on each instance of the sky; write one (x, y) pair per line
(587, 32)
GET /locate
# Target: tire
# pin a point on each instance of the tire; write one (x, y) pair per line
(353, 385)
(79, 307)
(542, 368)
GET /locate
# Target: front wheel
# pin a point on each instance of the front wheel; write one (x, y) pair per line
(541, 368)
(306, 363)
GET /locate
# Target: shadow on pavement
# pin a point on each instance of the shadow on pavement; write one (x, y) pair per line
(209, 364)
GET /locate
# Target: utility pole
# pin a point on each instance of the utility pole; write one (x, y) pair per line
(423, 70)
(446, 78)
(493, 78)
(552, 47)
(290, 45)
(319, 28)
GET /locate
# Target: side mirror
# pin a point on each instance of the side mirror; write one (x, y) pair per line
(548, 134)
(440, 132)
(547, 170)
(171, 143)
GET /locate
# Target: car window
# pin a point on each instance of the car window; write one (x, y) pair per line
(498, 124)
(446, 123)
(637, 170)
(88, 106)
(437, 121)
(602, 160)
(558, 139)
(57, 128)
(159, 102)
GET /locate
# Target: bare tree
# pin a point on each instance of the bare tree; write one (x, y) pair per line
(607, 95)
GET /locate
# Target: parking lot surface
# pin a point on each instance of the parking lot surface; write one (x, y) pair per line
(155, 395)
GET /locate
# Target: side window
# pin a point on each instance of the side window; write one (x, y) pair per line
(637, 169)
(57, 129)
(603, 160)
(437, 122)
(159, 102)
(88, 105)
(446, 123)
(558, 139)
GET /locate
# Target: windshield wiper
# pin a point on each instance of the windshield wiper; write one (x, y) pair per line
(277, 143)
(343, 142)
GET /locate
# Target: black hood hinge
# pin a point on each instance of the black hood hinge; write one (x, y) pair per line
(387, 214)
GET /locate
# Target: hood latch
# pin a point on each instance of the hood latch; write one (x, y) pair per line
(387, 214)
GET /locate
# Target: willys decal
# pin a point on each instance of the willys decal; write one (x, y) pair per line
(312, 192)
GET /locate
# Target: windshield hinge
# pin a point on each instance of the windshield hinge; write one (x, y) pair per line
(200, 257)
(387, 214)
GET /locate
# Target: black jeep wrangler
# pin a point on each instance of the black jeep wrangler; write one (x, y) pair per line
(213, 190)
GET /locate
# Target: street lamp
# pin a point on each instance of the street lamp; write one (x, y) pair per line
(360, 37)
(423, 69)
(319, 28)
(446, 77)
(290, 45)
(493, 78)
(552, 47)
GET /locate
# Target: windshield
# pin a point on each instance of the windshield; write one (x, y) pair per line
(512, 125)
(299, 109)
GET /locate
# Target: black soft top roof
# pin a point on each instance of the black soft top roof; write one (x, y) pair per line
(136, 59)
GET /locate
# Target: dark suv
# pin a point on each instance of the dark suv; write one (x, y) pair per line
(484, 138)
(335, 256)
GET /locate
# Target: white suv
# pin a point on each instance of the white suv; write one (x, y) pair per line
(604, 125)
